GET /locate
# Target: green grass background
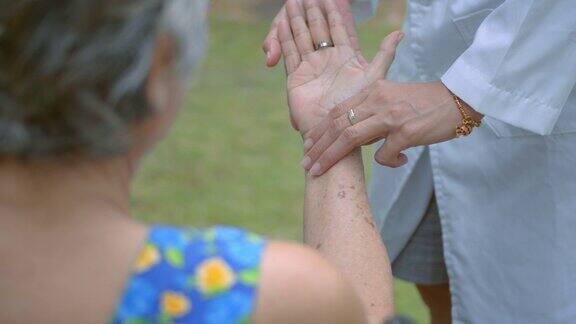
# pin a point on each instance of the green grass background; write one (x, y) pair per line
(232, 157)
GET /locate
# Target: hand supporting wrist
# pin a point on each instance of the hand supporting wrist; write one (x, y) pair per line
(405, 114)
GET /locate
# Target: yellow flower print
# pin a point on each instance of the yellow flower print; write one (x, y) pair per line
(214, 276)
(148, 257)
(175, 304)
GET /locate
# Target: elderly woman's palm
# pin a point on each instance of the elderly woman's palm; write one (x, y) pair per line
(324, 79)
(320, 79)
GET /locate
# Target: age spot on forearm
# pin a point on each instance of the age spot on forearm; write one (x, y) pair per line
(342, 194)
(370, 222)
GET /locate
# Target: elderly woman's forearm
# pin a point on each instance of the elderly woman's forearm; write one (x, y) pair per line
(338, 222)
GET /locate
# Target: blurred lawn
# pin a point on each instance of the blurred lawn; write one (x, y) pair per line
(232, 157)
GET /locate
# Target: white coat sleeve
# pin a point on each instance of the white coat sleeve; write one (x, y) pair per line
(521, 67)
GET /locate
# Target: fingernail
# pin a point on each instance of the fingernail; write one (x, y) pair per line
(305, 163)
(399, 38)
(403, 159)
(308, 143)
(315, 171)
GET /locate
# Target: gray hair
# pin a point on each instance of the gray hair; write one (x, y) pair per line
(73, 72)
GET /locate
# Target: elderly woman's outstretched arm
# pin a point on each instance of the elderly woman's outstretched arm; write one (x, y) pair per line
(338, 220)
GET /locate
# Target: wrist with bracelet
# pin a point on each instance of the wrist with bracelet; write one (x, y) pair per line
(468, 123)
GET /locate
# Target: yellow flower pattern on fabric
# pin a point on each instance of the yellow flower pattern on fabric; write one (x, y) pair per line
(148, 257)
(174, 304)
(193, 276)
(214, 275)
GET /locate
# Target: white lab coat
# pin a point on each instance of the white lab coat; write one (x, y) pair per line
(506, 194)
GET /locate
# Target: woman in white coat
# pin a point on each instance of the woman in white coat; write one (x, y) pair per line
(484, 224)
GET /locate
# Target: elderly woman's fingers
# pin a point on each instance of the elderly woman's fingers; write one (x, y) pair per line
(299, 27)
(317, 22)
(289, 50)
(350, 139)
(271, 45)
(385, 56)
(346, 12)
(336, 23)
(341, 128)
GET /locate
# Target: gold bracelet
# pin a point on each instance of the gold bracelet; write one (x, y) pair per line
(468, 123)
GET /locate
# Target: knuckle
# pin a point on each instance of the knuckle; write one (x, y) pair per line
(396, 112)
(321, 128)
(381, 95)
(294, 20)
(341, 123)
(314, 152)
(325, 156)
(333, 114)
(314, 132)
(333, 133)
(334, 21)
(338, 110)
(314, 20)
(289, 51)
(349, 136)
(385, 124)
(407, 132)
(332, 125)
(299, 32)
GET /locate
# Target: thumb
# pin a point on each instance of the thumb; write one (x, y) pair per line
(294, 124)
(385, 56)
(272, 50)
(271, 45)
(390, 154)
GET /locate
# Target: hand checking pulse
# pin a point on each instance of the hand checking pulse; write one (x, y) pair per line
(405, 114)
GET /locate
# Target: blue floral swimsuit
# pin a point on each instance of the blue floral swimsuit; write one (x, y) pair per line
(193, 276)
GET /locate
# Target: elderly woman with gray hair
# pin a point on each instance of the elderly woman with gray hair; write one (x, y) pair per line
(86, 89)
